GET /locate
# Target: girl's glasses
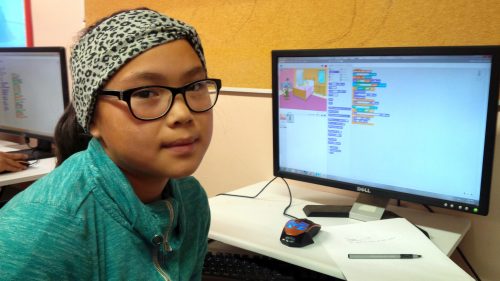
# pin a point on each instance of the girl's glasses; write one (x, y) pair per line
(153, 102)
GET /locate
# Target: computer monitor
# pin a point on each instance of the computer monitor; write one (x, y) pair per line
(33, 92)
(415, 123)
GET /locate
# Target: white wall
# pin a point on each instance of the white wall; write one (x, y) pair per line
(56, 22)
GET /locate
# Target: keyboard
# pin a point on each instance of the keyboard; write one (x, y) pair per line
(221, 266)
(35, 154)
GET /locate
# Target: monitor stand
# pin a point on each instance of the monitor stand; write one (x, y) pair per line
(43, 145)
(43, 149)
(366, 208)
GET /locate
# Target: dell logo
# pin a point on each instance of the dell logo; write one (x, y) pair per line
(363, 189)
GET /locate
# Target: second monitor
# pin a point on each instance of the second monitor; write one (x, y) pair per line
(33, 92)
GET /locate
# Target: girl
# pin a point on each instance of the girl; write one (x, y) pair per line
(123, 208)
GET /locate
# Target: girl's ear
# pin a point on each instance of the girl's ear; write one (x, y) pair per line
(94, 130)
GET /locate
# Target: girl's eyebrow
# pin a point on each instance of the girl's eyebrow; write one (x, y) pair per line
(196, 71)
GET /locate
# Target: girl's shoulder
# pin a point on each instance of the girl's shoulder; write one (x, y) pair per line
(65, 188)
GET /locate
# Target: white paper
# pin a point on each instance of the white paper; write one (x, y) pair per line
(390, 236)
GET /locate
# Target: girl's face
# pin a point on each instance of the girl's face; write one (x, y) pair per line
(170, 147)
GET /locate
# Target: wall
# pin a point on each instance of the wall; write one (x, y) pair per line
(238, 36)
(56, 22)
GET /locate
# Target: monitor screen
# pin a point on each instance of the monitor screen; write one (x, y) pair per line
(33, 90)
(415, 124)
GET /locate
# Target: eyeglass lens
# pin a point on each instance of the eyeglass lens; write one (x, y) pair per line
(153, 102)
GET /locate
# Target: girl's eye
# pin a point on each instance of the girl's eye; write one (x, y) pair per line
(200, 86)
(146, 94)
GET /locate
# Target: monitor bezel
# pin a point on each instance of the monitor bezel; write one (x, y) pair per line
(64, 86)
(490, 130)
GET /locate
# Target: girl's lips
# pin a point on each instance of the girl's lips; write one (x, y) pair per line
(181, 146)
(182, 149)
(181, 142)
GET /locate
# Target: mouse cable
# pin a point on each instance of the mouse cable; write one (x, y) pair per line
(247, 196)
(265, 186)
(462, 255)
(290, 201)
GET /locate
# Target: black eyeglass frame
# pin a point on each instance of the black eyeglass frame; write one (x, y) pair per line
(125, 96)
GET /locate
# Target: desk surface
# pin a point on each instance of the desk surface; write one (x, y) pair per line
(256, 224)
(36, 171)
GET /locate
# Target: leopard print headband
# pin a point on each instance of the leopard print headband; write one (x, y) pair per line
(111, 44)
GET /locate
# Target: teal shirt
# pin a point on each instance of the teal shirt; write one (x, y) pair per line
(83, 221)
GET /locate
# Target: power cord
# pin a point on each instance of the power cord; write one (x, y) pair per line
(464, 258)
(265, 186)
(468, 264)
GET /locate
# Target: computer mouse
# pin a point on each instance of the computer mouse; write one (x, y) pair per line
(299, 232)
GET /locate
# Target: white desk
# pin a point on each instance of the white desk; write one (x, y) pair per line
(34, 172)
(256, 224)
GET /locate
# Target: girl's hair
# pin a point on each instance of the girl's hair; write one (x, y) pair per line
(69, 136)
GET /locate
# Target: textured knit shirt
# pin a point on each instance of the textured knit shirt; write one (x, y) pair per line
(83, 221)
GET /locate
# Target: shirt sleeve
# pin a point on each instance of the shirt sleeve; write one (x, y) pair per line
(42, 242)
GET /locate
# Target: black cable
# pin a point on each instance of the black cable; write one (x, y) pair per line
(246, 196)
(428, 208)
(255, 196)
(290, 202)
(468, 264)
(464, 258)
